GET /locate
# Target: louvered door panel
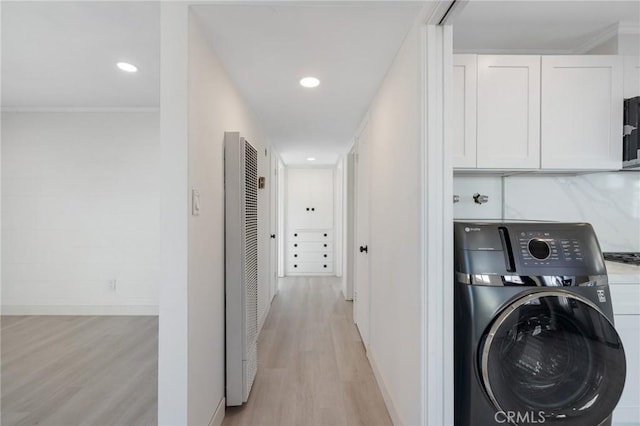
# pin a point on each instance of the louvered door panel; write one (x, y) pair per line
(241, 267)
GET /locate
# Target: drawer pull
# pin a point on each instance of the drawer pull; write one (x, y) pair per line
(325, 235)
(325, 245)
(295, 255)
(295, 245)
(325, 266)
(295, 266)
(295, 235)
(325, 255)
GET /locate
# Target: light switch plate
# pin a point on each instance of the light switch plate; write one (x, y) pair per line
(195, 202)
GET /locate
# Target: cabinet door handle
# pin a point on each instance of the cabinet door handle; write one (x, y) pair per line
(364, 249)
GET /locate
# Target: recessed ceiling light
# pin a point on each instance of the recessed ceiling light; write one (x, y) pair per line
(310, 82)
(311, 159)
(124, 66)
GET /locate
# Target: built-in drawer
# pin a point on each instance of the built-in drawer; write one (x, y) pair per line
(310, 267)
(310, 256)
(311, 246)
(322, 235)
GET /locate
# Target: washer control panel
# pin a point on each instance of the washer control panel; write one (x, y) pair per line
(527, 249)
(539, 248)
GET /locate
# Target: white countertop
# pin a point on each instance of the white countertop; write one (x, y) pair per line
(622, 273)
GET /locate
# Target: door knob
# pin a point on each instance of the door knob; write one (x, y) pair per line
(273, 236)
(364, 249)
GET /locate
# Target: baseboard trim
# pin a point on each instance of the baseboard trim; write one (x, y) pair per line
(115, 310)
(263, 318)
(218, 416)
(388, 401)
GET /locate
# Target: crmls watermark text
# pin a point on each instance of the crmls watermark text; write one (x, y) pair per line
(518, 417)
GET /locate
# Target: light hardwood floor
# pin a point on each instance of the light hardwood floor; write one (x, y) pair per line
(313, 370)
(312, 367)
(68, 371)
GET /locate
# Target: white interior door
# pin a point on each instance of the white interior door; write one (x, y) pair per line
(361, 255)
(273, 226)
(281, 228)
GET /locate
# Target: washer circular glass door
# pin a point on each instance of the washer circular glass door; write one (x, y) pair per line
(553, 355)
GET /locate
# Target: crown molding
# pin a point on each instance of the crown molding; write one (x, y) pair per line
(628, 28)
(35, 109)
(613, 30)
(513, 51)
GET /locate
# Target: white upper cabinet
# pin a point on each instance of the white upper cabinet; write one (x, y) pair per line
(310, 198)
(465, 86)
(508, 112)
(581, 113)
(631, 76)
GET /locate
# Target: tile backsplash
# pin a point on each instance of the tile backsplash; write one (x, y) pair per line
(610, 201)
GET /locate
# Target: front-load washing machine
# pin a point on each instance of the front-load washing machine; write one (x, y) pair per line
(534, 337)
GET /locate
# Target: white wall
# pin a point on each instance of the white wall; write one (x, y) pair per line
(173, 320)
(215, 106)
(395, 145)
(81, 208)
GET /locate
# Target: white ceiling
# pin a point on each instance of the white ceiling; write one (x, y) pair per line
(537, 26)
(268, 48)
(64, 54)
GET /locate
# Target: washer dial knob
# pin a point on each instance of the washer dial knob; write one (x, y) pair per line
(539, 248)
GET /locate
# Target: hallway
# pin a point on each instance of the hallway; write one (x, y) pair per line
(313, 369)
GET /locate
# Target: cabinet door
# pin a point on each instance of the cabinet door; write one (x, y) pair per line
(581, 112)
(631, 76)
(628, 409)
(321, 191)
(298, 199)
(508, 112)
(626, 306)
(465, 86)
